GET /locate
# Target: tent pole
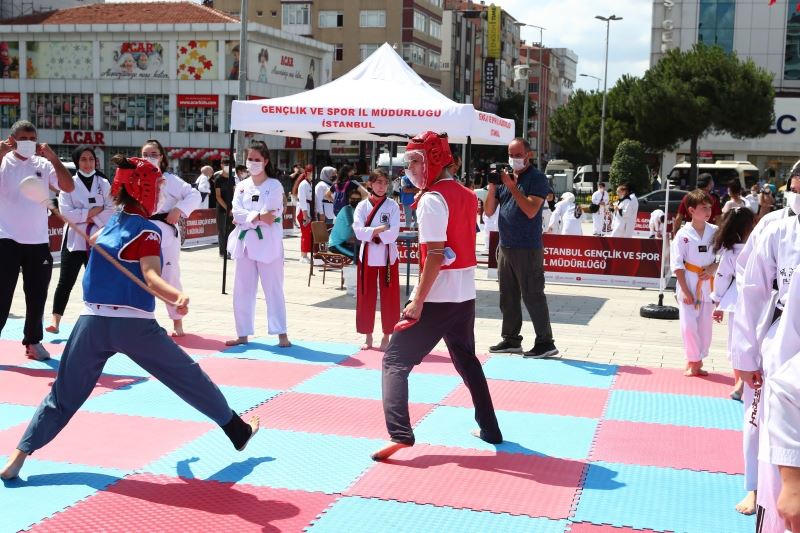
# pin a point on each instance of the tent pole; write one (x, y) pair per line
(312, 207)
(466, 162)
(225, 226)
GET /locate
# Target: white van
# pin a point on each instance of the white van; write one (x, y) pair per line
(585, 180)
(557, 166)
(722, 172)
(392, 165)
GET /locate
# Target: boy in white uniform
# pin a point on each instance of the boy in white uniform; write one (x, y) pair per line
(624, 222)
(656, 224)
(600, 199)
(692, 262)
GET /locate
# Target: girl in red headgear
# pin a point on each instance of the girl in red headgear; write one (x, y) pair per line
(118, 317)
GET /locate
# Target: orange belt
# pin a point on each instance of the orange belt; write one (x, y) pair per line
(698, 291)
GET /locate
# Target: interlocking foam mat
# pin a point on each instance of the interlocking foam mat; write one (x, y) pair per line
(588, 448)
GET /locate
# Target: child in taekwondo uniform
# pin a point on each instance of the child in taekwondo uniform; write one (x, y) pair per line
(376, 223)
(257, 247)
(692, 262)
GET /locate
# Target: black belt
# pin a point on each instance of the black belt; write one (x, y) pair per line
(777, 314)
(162, 217)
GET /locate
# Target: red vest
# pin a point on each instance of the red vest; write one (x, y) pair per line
(462, 204)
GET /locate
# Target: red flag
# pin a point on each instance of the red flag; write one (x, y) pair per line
(772, 2)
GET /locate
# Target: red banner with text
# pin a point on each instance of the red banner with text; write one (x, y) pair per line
(199, 229)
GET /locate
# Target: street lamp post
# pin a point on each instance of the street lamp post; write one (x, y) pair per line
(538, 98)
(522, 73)
(608, 21)
(595, 78)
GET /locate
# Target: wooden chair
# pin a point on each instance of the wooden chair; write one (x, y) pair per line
(331, 261)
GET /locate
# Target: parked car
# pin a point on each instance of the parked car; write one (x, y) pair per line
(655, 200)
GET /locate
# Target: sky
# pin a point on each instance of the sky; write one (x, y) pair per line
(571, 24)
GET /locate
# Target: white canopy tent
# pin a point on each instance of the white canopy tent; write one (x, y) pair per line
(382, 99)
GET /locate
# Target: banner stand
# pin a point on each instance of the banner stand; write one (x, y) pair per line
(659, 310)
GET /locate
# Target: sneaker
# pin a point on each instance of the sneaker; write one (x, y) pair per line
(505, 346)
(305, 260)
(542, 351)
(37, 351)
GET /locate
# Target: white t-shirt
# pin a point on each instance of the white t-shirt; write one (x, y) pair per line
(22, 220)
(450, 285)
(304, 196)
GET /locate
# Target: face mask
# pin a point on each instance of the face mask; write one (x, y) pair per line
(155, 161)
(354, 203)
(517, 163)
(26, 148)
(793, 201)
(86, 174)
(255, 167)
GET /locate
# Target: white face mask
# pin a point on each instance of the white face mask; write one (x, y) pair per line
(792, 200)
(517, 163)
(26, 148)
(86, 174)
(155, 161)
(255, 167)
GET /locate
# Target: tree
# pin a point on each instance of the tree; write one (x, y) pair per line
(692, 93)
(565, 123)
(629, 166)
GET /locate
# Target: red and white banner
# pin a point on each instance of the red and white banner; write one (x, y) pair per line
(55, 230)
(198, 100)
(9, 98)
(602, 261)
(408, 252)
(642, 228)
(199, 229)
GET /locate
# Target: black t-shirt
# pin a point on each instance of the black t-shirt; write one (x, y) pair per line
(226, 187)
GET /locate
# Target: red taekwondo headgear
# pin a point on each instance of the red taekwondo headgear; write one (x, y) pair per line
(433, 151)
(140, 178)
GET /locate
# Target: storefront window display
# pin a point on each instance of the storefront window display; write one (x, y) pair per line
(135, 112)
(62, 111)
(198, 119)
(9, 109)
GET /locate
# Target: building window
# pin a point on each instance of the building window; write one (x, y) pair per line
(372, 19)
(414, 53)
(791, 67)
(135, 112)
(716, 23)
(435, 29)
(331, 19)
(259, 13)
(62, 111)
(437, 3)
(9, 114)
(434, 60)
(367, 50)
(296, 14)
(420, 22)
(338, 52)
(198, 119)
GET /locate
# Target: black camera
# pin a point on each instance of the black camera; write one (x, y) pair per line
(495, 174)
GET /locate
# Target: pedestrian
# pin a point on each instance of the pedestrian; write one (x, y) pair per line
(339, 192)
(177, 200)
(303, 173)
(407, 194)
(203, 185)
(729, 241)
(735, 194)
(625, 212)
(119, 318)
(24, 239)
(342, 239)
(705, 182)
(598, 209)
(656, 224)
(90, 206)
(692, 261)
(376, 224)
(323, 206)
(303, 211)
(760, 314)
(442, 306)
(752, 199)
(766, 202)
(223, 191)
(520, 256)
(566, 217)
(257, 248)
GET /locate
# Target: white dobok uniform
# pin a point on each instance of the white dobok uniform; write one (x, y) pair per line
(75, 207)
(174, 193)
(624, 222)
(257, 248)
(599, 218)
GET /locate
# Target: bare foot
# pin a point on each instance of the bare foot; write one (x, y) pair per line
(748, 504)
(737, 391)
(389, 450)
(51, 328)
(255, 422)
(283, 341)
(695, 369)
(177, 328)
(14, 465)
(384, 343)
(367, 342)
(236, 341)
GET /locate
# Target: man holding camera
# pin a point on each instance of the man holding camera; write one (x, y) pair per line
(520, 257)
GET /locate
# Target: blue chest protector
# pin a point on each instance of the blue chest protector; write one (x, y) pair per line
(103, 283)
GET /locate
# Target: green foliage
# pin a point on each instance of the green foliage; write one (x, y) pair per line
(630, 166)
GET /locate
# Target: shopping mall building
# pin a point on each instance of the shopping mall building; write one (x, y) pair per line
(115, 75)
(770, 36)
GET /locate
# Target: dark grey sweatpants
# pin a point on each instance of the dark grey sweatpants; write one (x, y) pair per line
(455, 323)
(520, 273)
(96, 338)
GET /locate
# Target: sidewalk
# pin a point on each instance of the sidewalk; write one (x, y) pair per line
(597, 324)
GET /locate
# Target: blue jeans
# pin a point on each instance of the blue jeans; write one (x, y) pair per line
(410, 216)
